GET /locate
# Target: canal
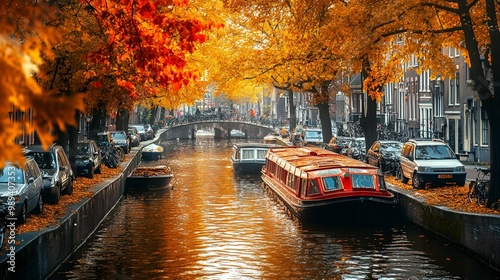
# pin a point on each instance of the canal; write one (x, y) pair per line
(213, 225)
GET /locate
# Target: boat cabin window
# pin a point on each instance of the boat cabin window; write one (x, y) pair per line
(313, 187)
(261, 154)
(247, 154)
(332, 183)
(365, 181)
(303, 188)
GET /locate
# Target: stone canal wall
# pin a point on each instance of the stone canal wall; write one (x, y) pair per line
(477, 233)
(40, 253)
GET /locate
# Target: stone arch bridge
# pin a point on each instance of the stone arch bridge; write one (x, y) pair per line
(222, 129)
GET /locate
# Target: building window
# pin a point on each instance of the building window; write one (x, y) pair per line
(424, 81)
(484, 132)
(451, 92)
(484, 127)
(457, 88)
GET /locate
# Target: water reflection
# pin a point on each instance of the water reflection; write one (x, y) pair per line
(214, 225)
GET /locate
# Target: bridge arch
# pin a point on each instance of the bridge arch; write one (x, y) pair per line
(222, 129)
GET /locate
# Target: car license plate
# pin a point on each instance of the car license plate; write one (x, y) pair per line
(445, 176)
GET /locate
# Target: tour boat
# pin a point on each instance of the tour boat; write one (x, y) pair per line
(152, 152)
(249, 157)
(150, 177)
(320, 185)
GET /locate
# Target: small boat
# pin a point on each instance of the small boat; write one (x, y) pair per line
(150, 177)
(237, 134)
(322, 186)
(152, 152)
(272, 138)
(249, 157)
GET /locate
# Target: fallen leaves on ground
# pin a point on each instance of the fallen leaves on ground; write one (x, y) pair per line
(53, 212)
(451, 196)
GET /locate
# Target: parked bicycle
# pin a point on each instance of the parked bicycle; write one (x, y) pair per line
(110, 157)
(112, 154)
(479, 188)
(391, 168)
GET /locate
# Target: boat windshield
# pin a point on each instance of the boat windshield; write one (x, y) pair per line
(332, 183)
(363, 181)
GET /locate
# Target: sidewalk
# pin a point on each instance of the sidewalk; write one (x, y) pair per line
(471, 172)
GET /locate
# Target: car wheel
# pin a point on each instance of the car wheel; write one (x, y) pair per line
(91, 173)
(404, 180)
(416, 181)
(55, 195)
(23, 216)
(69, 188)
(39, 206)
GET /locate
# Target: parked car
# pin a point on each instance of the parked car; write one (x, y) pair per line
(337, 144)
(22, 188)
(88, 158)
(430, 162)
(357, 149)
(384, 154)
(56, 171)
(142, 131)
(121, 139)
(313, 136)
(134, 136)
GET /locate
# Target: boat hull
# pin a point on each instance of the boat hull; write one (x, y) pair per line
(151, 155)
(362, 209)
(149, 182)
(254, 167)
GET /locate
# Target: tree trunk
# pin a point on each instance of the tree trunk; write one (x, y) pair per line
(162, 114)
(324, 112)
(481, 84)
(494, 118)
(122, 119)
(98, 123)
(493, 104)
(293, 111)
(73, 142)
(62, 138)
(368, 120)
(326, 125)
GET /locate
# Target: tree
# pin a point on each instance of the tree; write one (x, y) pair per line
(26, 41)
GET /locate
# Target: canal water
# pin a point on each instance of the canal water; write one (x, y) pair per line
(211, 224)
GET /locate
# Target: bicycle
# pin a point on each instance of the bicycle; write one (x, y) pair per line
(391, 168)
(479, 188)
(109, 156)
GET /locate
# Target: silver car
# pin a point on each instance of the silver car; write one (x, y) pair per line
(21, 190)
(430, 162)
